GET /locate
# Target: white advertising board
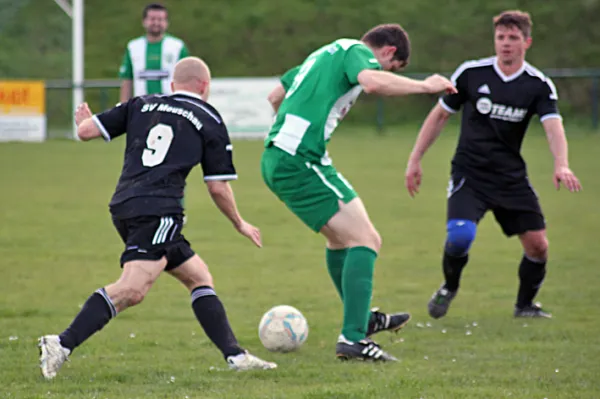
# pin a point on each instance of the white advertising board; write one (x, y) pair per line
(242, 102)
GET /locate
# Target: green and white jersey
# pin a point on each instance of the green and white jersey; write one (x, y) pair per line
(150, 65)
(319, 93)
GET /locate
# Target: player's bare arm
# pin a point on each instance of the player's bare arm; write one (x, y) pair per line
(555, 132)
(276, 96)
(221, 193)
(126, 90)
(389, 84)
(86, 127)
(430, 131)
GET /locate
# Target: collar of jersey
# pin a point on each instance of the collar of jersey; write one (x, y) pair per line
(508, 78)
(187, 93)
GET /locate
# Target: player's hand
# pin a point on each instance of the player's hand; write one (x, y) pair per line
(564, 175)
(82, 113)
(412, 177)
(251, 232)
(437, 83)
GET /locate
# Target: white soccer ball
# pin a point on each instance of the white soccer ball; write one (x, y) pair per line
(282, 329)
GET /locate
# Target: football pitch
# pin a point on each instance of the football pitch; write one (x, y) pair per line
(57, 246)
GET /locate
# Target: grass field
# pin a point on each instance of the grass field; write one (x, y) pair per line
(57, 246)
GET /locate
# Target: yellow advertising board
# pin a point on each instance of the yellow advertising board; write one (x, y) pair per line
(22, 110)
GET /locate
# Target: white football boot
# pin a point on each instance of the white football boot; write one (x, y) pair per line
(52, 355)
(246, 361)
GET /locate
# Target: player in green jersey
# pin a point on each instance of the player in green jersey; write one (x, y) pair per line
(310, 102)
(149, 60)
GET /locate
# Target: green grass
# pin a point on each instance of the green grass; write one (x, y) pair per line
(57, 245)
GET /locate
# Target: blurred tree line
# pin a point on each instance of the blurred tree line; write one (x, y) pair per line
(265, 37)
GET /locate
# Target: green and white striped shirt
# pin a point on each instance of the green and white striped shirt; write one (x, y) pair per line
(150, 65)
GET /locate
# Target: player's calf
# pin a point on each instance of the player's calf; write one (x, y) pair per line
(531, 276)
(532, 270)
(352, 227)
(211, 314)
(460, 236)
(97, 311)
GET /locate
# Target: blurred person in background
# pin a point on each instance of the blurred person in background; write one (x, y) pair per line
(149, 60)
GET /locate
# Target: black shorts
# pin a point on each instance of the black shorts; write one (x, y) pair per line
(516, 211)
(152, 237)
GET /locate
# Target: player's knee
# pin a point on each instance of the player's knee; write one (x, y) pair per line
(460, 236)
(537, 248)
(365, 236)
(369, 238)
(204, 280)
(133, 295)
(377, 241)
(193, 273)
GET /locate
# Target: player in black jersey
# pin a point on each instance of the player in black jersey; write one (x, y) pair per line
(166, 137)
(499, 96)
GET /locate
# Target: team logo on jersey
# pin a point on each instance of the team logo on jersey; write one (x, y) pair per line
(500, 111)
(484, 105)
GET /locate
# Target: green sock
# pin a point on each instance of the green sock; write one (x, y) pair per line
(357, 285)
(335, 265)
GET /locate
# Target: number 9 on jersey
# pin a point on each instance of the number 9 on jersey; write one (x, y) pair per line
(157, 145)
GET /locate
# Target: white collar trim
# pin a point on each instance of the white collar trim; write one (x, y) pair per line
(187, 93)
(509, 77)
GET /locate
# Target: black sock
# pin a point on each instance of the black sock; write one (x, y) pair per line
(93, 316)
(212, 317)
(453, 267)
(531, 274)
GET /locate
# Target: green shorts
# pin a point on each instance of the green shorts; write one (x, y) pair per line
(309, 190)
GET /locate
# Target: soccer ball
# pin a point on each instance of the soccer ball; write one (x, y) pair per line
(282, 329)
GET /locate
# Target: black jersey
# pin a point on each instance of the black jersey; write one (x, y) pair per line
(166, 137)
(497, 110)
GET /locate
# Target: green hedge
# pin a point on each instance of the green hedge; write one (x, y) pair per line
(265, 37)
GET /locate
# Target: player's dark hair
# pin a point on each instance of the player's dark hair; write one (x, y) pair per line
(515, 18)
(390, 35)
(153, 6)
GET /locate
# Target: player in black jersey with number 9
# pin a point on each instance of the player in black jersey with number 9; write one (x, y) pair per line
(166, 137)
(499, 96)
